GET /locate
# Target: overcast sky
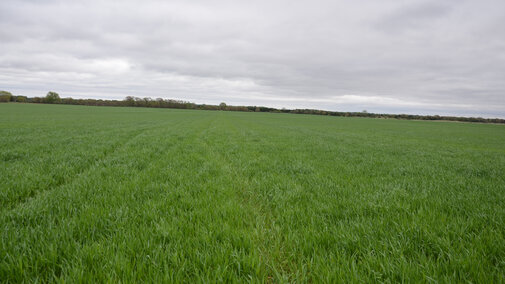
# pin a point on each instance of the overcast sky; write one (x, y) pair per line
(423, 57)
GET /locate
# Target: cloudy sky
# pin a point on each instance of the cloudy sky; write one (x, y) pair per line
(423, 57)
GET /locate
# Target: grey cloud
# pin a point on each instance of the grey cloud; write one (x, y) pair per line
(415, 16)
(414, 56)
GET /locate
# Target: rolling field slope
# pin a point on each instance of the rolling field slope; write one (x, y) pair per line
(136, 194)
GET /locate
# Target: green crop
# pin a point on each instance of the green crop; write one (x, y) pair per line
(103, 194)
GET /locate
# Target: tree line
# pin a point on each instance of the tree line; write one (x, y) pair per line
(130, 101)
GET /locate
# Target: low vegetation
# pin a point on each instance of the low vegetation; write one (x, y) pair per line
(91, 194)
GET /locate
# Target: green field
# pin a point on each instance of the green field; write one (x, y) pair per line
(140, 194)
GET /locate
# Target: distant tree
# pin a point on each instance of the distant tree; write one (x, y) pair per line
(52, 98)
(37, 100)
(21, 99)
(129, 101)
(222, 106)
(160, 102)
(68, 101)
(139, 102)
(5, 96)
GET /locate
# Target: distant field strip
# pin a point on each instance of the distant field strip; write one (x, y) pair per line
(104, 194)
